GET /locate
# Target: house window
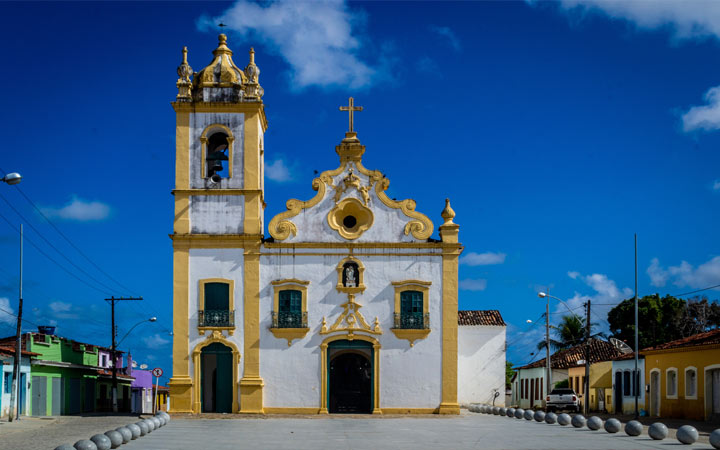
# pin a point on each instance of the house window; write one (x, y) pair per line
(691, 383)
(411, 304)
(290, 304)
(626, 383)
(216, 304)
(8, 382)
(671, 377)
(577, 385)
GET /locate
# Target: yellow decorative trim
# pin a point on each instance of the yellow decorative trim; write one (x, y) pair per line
(251, 384)
(216, 336)
(352, 290)
(353, 320)
(279, 285)
(182, 150)
(361, 276)
(350, 207)
(201, 301)
(323, 368)
(252, 223)
(215, 241)
(289, 333)
(181, 383)
(353, 245)
(413, 334)
(222, 107)
(352, 181)
(203, 147)
(223, 67)
(449, 404)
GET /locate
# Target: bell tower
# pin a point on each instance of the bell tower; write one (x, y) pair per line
(219, 165)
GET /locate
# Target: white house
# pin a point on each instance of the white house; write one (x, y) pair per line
(481, 357)
(623, 385)
(348, 304)
(7, 360)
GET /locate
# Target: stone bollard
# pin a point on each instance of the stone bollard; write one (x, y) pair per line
(519, 413)
(633, 428)
(496, 410)
(510, 412)
(594, 423)
(481, 409)
(166, 416)
(85, 444)
(143, 428)
(578, 421)
(715, 438)
(65, 447)
(135, 431)
(539, 416)
(502, 411)
(658, 431)
(116, 439)
(157, 422)
(612, 425)
(528, 415)
(102, 442)
(550, 418)
(563, 419)
(125, 433)
(150, 424)
(687, 434)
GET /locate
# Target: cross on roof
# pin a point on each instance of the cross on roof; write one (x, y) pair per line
(351, 108)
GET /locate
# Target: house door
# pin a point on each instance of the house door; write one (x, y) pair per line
(23, 393)
(39, 396)
(618, 392)
(89, 395)
(57, 396)
(75, 397)
(532, 393)
(655, 394)
(216, 378)
(350, 377)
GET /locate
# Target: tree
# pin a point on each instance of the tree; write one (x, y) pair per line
(570, 332)
(509, 372)
(660, 319)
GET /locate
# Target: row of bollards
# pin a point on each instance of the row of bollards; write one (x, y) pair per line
(119, 436)
(686, 434)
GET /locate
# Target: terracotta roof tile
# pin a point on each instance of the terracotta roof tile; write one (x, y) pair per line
(599, 351)
(707, 338)
(490, 317)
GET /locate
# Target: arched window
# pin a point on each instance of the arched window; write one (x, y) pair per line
(671, 388)
(216, 158)
(691, 383)
(289, 309)
(411, 309)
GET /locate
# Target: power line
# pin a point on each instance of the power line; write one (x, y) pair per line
(699, 290)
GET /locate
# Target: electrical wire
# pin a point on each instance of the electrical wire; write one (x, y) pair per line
(699, 290)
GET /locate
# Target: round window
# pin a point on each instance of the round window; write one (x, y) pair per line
(349, 221)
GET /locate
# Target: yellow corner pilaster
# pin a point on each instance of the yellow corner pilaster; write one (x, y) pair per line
(181, 384)
(182, 150)
(251, 384)
(451, 254)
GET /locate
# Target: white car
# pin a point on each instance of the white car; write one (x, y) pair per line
(562, 398)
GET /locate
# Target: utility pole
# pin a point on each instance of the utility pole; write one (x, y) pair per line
(547, 346)
(113, 353)
(586, 406)
(636, 375)
(16, 385)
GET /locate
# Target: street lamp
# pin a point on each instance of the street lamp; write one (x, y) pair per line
(587, 343)
(15, 178)
(152, 319)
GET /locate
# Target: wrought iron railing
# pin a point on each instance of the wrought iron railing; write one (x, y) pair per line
(216, 318)
(289, 320)
(412, 320)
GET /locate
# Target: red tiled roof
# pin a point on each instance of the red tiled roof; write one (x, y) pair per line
(5, 350)
(108, 373)
(599, 351)
(626, 356)
(490, 317)
(707, 338)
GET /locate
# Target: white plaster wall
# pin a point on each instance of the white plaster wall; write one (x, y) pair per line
(215, 263)
(481, 364)
(312, 226)
(217, 214)
(8, 368)
(629, 400)
(409, 376)
(536, 372)
(198, 123)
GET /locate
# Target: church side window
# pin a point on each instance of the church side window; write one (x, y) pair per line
(411, 310)
(215, 305)
(290, 304)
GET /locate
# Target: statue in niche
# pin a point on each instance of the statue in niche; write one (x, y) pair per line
(350, 278)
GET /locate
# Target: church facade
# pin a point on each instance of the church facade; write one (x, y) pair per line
(347, 305)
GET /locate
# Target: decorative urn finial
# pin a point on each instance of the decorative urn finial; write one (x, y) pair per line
(448, 213)
(184, 84)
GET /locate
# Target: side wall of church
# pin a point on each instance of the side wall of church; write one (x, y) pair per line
(481, 364)
(410, 377)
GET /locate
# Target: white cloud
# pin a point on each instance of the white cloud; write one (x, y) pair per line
(80, 210)
(427, 65)
(278, 171)
(716, 185)
(482, 259)
(683, 19)
(705, 117)
(606, 295)
(574, 275)
(155, 341)
(318, 39)
(63, 310)
(449, 34)
(473, 285)
(6, 312)
(685, 274)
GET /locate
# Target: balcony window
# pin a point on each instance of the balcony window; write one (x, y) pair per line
(290, 313)
(215, 305)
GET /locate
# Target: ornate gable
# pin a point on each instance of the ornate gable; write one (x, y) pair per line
(350, 206)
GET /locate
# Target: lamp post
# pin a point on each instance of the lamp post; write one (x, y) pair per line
(11, 179)
(114, 357)
(152, 319)
(587, 342)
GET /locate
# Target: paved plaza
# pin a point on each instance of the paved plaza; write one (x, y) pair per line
(468, 431)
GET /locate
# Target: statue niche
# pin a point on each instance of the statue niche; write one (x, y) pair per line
(350, 275)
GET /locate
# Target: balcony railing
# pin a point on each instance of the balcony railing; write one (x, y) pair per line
(216, 318)
(417, 321)
(289, 320)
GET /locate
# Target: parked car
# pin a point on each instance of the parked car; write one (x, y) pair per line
(562, 398)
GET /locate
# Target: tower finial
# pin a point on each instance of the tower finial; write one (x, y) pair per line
(252, 55)
(183, 84)
(448, 214)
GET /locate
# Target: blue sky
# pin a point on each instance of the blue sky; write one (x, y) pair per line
(556, 129)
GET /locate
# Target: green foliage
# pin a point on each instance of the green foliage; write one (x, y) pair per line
(569, 332)
(662, 319)
(509, 372)
(562, 384)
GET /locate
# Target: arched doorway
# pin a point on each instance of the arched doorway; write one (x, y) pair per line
(216, 378)
(350, 377)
